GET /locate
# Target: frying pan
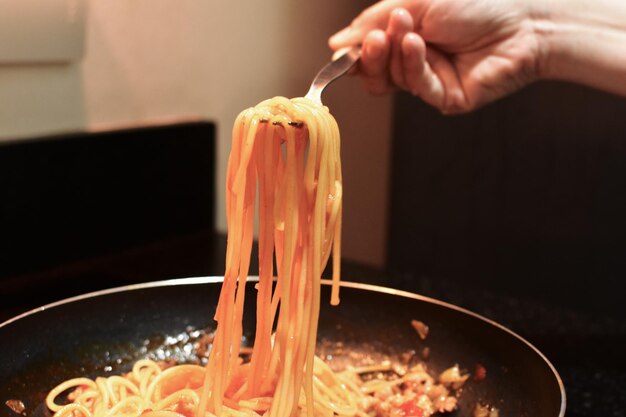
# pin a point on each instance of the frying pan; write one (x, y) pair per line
(106, 331)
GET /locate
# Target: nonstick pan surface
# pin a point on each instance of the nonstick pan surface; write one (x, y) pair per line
(103, 333)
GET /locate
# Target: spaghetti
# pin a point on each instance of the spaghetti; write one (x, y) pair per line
(297, 173)
(285, 155)
(288, 151)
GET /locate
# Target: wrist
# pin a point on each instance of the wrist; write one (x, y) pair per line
(541, 17)
(582, 41)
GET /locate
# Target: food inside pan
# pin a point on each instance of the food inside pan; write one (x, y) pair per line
(105, 333)
(349, 382)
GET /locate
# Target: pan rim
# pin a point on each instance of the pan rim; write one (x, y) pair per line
(346, 284)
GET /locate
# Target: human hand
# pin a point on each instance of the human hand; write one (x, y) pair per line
(456, 55)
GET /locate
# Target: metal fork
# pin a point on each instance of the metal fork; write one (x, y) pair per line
(329, 73)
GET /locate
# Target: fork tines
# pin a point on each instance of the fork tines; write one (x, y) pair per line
(279, 123)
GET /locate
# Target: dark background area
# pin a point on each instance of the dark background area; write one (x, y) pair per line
(525, 196)
(515, 211)
(97, 210)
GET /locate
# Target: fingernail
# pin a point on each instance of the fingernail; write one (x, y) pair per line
(412, 37)
(340, 36)
(410, 43)
(401, 19)
(399, 12)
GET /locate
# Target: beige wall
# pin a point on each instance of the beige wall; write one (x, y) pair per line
(150, 60)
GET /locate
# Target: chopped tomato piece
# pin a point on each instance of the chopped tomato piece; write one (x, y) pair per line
(411, 409)
(480, 373)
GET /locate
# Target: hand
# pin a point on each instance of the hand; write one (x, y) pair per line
(456, 55)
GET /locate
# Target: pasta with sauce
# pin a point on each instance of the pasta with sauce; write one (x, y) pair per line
(285, 155)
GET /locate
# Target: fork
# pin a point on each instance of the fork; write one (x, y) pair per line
(331, 71)
(337, 67)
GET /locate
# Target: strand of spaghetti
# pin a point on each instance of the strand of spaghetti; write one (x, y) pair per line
(233, 166)
(279, 210)
(335, 194)
(244, 265)
(214, 377)
(206, 389)
(308, 202)
(188, 395)
(299, 299)
(292, 364)
(311, 171)
(100, 406)
(262, 348)
(215, 367)
(226, 329)
(87, 398)
(335, 403)
(310, 181)
(173, 379)
(101, 384)
(246, 154)
(64, 386)
(134, 403)
(73, 410)
(302, 303)
(143, 371)
(268, 384)
(334, 299)
(316, 244)
(112, 381)
(273, 163)
(266, 265)
(330, 383)
(285, 406)
(244, 188)
(162, 413)
(316, 148)
(257, 404)
(282, 338)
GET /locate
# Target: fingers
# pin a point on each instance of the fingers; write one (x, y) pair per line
(454, 100)
(374, 62)
(394, 58)
(422, 71)
(400, 24)
(374, 17)
(394, 55)
(420, 78)
(381, 65)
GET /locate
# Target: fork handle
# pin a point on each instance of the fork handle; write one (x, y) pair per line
(332, 71)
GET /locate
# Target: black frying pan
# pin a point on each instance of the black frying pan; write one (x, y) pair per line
(106, 331)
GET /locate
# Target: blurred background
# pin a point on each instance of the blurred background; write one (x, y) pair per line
(115, 122)
(115, 132)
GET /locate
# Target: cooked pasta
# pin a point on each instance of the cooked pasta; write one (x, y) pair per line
(287, 151)
(285, 156)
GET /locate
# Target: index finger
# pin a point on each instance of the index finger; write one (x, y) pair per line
(374, 17)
